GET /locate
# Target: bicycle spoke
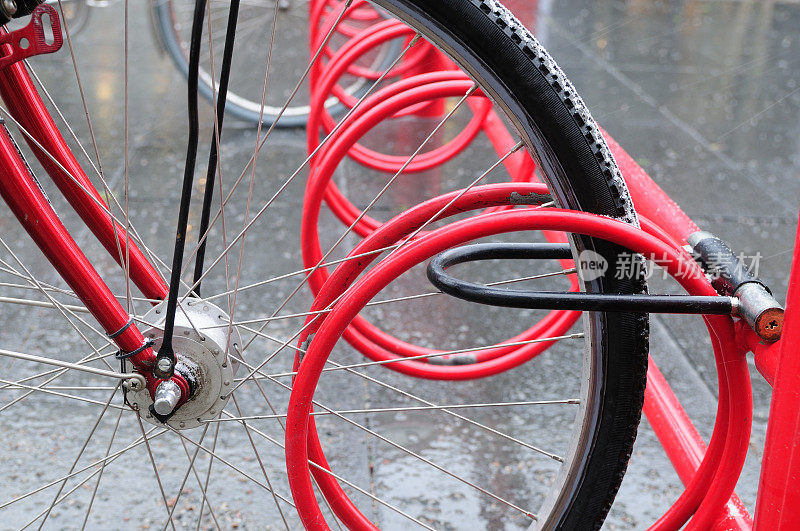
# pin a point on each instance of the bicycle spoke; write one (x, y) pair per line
(62, 498)
(52, 289)
(94, 464)
(189, 469)
(30, 286)
(31, 389)
(232, 466)
(297, 171)
(73, 366)
(348, 483)
(40, 304)
(99, 167)
(261, 463)
(431, 463)
(80, 453)
(64, 387)
(65, 312)
(72, 134)
(86, 359)
(155, 470)
(204, 485)
(448, 353)
(126, 260)
(200, 484)
(405, 409)
(102, 469)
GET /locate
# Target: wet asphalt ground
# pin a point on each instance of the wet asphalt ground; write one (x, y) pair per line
(705, 95)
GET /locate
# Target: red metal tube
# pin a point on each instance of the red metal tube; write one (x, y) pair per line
(765, 354)
(25, 199)
(335, 323)
(26, 106)
(736, 394)
(778, 505)
(686, 450)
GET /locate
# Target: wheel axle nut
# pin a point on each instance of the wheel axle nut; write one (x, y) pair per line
(167, 396)
(9, 7)
(164, 365)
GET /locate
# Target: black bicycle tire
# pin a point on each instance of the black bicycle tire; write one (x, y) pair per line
(519, 75)
(162, 23)
(161, 20)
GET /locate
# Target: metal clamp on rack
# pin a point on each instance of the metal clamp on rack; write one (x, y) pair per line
(729, 275)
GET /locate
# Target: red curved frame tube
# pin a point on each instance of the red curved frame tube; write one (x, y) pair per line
(649, 199)
(33, 210)
(778, 505)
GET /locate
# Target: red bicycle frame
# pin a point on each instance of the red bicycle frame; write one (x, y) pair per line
(25, 199)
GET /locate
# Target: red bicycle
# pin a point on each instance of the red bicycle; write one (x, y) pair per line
(240, 390)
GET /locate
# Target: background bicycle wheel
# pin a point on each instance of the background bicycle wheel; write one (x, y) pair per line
(702, 93)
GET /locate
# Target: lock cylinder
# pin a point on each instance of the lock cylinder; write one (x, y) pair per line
(729, 276)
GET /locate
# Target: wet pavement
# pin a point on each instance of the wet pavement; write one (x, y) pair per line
(705, 95)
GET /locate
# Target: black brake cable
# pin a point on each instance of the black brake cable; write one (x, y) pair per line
(227, 57)
(166, 351)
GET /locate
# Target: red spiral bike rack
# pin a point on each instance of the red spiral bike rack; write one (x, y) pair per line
(420, 84)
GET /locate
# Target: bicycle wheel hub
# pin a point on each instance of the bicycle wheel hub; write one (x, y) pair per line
(206, 345)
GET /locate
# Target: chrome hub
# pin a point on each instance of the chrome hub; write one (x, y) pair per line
(205, 344)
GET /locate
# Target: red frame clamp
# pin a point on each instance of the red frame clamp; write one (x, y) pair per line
(33, 33)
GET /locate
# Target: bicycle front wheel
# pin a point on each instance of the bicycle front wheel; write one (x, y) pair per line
(506, 435)
(509, 65)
